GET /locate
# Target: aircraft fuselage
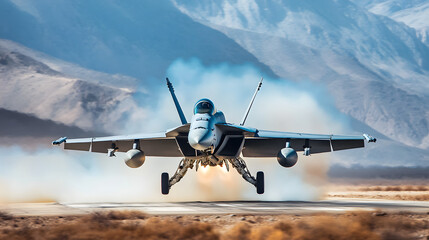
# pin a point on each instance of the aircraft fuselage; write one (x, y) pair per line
(203, 133)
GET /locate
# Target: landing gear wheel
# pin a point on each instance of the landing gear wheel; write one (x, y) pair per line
(165, 183)
(260, 182)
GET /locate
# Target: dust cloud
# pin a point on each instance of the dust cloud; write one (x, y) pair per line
(67, 176)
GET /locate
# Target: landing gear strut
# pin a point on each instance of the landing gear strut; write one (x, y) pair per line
(237, 163)
(178, 175)
(240, 165)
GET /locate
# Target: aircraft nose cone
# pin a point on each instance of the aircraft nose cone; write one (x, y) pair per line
(196, 139)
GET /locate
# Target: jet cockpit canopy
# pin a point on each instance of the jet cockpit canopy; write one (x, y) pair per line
(204, 106)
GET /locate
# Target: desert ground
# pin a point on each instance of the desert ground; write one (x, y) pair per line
(319, 223)
(387, 189)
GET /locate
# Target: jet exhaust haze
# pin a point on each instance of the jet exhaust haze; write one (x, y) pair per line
(53, 174)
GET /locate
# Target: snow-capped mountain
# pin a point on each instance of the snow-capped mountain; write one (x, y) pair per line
(31, 132)
(32, 87)
(377, 69)
(70, 69)
(134, 38)
(414, 13)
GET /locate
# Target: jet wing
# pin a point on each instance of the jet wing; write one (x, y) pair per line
(262, 143)
(164, 144)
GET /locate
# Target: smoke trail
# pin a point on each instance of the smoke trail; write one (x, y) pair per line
(282, 105)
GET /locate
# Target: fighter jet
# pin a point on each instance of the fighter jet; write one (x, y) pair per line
(208, 140)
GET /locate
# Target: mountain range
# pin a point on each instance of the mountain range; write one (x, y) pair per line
(414, 13)
(380, 65)
(82, 63)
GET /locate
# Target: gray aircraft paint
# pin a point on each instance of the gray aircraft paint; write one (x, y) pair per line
(215, 143)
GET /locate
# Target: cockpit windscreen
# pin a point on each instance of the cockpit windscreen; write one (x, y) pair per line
(204, 106)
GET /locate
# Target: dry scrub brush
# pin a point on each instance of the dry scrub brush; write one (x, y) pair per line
(350, 226)
(115, 225)
(395, 188)
(5, 216)
(136, 225)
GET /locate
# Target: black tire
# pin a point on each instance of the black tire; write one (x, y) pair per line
(165, 185)
(260, 184)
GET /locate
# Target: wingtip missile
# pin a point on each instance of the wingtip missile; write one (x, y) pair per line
(59, 141)
(369, 138)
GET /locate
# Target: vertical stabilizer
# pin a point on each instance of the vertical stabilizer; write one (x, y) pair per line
(251, 102)
(176, 102)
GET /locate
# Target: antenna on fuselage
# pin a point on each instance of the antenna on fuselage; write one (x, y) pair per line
(251, 102)
(176, 102)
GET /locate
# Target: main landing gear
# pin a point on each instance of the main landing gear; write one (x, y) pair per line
(240, 165)
(237, 163)
(260, 184)
(166, 183)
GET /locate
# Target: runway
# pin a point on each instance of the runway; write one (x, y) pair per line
(218, 208)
